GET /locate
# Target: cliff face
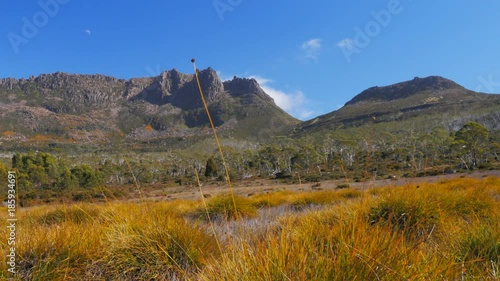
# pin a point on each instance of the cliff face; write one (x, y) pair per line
(73, 107)
(60, 92)
(177, 89)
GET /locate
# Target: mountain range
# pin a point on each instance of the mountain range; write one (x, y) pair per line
(62, 109)
(72, 108)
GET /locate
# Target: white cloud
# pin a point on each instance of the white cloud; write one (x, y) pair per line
(295, 103)
(223, 76)
(346, 43)
(88, 31)
(312, 48)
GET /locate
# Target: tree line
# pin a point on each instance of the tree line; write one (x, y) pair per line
(361, 156)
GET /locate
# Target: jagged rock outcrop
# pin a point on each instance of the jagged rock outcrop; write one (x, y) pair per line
(247, 88)
(73, 106)
(178, 89)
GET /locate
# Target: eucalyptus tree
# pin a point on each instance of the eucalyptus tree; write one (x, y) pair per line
(472, 139)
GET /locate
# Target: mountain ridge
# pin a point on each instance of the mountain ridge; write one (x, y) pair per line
(73, 107)
(436, 97)
(78, 108)
(405, 88)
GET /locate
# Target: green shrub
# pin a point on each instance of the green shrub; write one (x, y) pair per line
(343, 185)
(86, 176)
(81, 196)
(312, 178)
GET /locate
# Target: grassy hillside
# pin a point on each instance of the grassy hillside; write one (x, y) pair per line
(448, 230)
(421, 104)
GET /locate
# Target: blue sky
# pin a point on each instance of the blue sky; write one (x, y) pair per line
(311, 56)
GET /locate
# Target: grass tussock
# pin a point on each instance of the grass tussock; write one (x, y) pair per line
(223, 207)
(77, 214)
(425, 232)
(301, 200)
(442, 231)
(164, 246)
(110, 242)
(409, 211)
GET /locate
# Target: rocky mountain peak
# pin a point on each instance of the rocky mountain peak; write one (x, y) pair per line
(405, 89)
(242, 85)
(73, 105)
(245, 86)
(211, 83)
